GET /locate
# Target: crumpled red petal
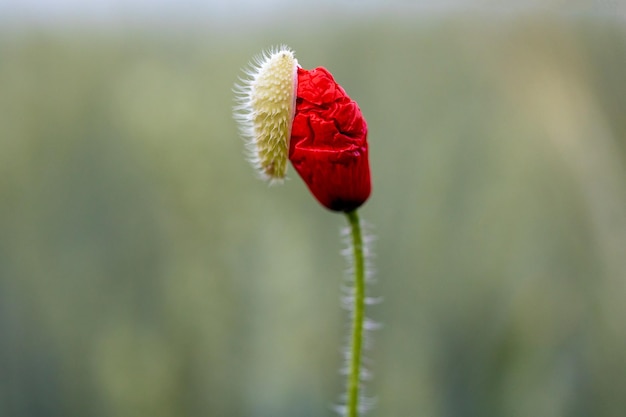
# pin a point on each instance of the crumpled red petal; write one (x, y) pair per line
(328, 145)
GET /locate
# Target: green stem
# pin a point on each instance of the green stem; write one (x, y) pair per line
(358, 312)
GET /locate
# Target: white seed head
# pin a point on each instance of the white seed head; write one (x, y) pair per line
(265, 110)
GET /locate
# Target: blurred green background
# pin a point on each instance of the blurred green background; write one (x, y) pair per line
(144, 271)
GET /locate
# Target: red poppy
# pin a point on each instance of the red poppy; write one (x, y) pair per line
(328, 145)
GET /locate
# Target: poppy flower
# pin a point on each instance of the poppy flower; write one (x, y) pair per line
(287, 112)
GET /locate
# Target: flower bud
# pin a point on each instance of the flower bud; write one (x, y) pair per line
(286, 112)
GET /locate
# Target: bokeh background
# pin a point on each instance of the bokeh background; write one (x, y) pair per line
(144, 271)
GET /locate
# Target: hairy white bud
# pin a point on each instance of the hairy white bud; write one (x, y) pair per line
(265, 110)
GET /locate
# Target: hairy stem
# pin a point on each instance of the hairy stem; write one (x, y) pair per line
(358, 315)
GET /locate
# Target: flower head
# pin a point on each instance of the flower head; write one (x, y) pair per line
(287, 112)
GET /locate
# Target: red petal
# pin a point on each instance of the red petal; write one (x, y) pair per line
(328, 145)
